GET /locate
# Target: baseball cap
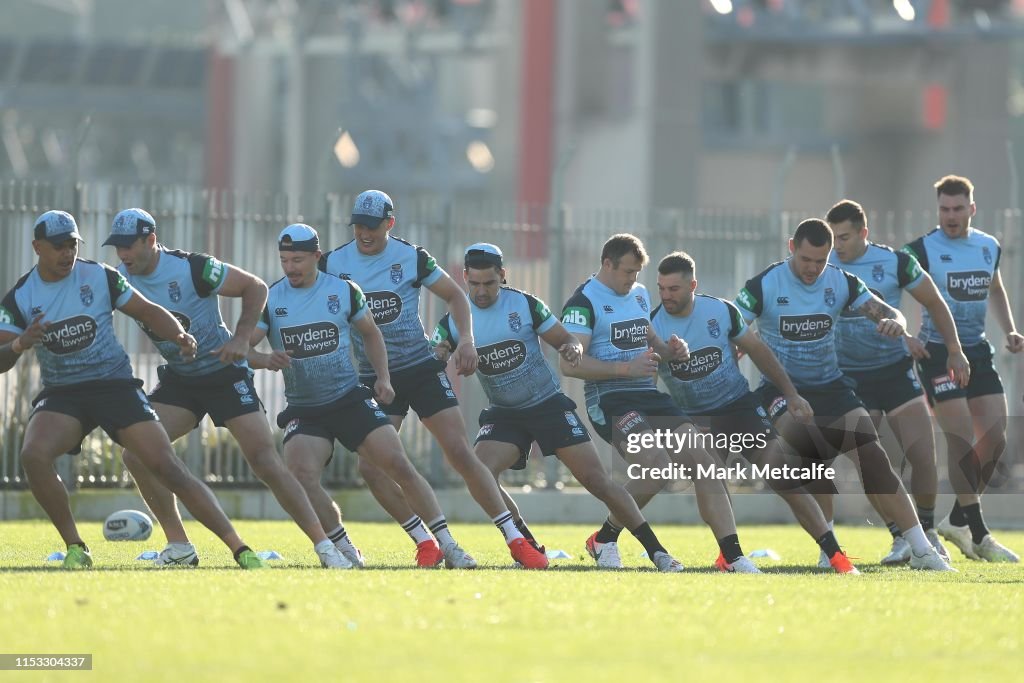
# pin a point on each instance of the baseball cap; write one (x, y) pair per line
(371, 207)
(56, 227)
(298, 237)
(483, 253)
(130, 225)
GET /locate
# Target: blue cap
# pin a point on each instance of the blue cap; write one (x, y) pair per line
(56, 227)
(298, 237)
(130, 225)
(483, 253)
(371, 207)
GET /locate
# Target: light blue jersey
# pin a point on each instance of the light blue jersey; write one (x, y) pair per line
(963, 270)
(617, 325)
(392, 280)
(79, 345)
(512, 367)
(186, 284)
(887, 273)
(710, 378)
(797, 320)
(313, 323)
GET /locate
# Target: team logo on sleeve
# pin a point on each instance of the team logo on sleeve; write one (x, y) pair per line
(830, 296)
(987, 255)
(515, 323)
(384, 306)
(5, 316)
(714, 329)
(213, 272)
(85, 294)
(333, 304)
(396, 273)
(174, 291)
(642, 301)
(746, 299)
(878, 273)
(576, 315)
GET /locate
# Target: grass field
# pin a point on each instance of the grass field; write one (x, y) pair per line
(397, 623)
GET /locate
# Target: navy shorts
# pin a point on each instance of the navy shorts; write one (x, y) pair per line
(224, 394)
(742, 427)
(829, 401)
(109, 404)
(349, 419)
(627, 412)
(424, 387)
(887, 388)
(935, 377)
(552, 423)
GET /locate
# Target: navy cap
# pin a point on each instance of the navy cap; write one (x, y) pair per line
(130, 225)
(483, 253)
(56, 227)
(298, 237)
(371, 207)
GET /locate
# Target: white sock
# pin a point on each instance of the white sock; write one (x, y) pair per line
(323, 546)
(417, 532)
(831, 525)
(507, 526)
(439, 527)
(341, 540)
(918, 541)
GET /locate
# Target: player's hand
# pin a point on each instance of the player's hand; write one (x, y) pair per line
(644, 365)
(232, 351)
(278, 360)
(33, 335)
(443, 352)
(959, 368)
(383, 391)
(679, 349)
(1014, 342)
(916, 348)
(887, 327)
(571, 352)
(799, 408)
(466, 358)
(187, 346)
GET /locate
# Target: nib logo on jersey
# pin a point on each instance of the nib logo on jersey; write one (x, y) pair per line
(505, 356)
(70, 335)
(803, 328)
(971, 285)
(699, 365)
(629, 334)
(186, 324)
(313, 339)
(384, 306)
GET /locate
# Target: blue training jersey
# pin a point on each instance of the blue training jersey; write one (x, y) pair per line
(186, 284)
(710, 378)
(963, 270)
(887, 273)
(797, 320)
(512, 367)
(617, 325)
(313, 323)
(79, 345)
(392, 281)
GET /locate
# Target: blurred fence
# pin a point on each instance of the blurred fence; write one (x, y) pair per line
(549, 252)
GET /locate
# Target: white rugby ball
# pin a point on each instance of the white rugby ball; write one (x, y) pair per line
(127, 525)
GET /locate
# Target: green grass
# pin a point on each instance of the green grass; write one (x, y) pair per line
(296, 622)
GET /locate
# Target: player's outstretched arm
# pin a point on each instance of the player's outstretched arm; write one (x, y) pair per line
(377, 354)
(12, 344)
(891, 322)
(770, 367)
(161, 322)
(927, 294)
(458, 306)
(253, 293)
(999, 303)
(644, 365)
(568, 345)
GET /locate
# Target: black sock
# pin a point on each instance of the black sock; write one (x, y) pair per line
(608, 533)
(894, 529)
(241, 550)
(524, 530)
(828, 543)
(648, 540)
(730, 547)
(927, 517)
(977, 523)
(956, 515)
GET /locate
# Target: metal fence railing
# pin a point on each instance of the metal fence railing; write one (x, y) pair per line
(549, 252)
